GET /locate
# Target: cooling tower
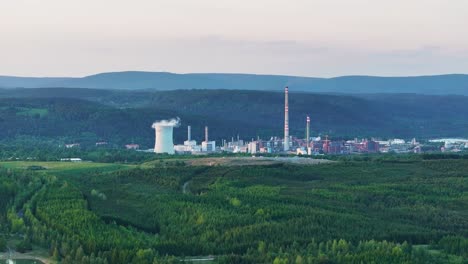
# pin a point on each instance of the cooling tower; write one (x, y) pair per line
(163, 142)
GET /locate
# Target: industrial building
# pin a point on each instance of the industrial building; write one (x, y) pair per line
(303, 146)
(132, 146)
(208, 146)
(190, 146)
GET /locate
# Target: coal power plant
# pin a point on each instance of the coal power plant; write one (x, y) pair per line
(164, 139)
(286, 144)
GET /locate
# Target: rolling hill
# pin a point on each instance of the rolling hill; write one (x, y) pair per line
(121, 117)
(162, 81)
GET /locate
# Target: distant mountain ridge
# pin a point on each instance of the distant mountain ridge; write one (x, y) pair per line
(456, 84)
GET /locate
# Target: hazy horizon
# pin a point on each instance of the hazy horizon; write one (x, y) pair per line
(233, 73)
(322, 38)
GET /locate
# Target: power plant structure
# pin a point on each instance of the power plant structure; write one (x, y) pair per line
(208, 146)
(189, 142)
(164, 138)
(308, 148)
(190, 146)
(307, 131)
(189, 133)
(275, 144)
(286, 120)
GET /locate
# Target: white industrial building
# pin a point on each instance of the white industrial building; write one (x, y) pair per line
(208, 146)
(189, 145)
(252, 147)
(302, 151)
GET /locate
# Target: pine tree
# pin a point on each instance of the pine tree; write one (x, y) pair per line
(56, 254)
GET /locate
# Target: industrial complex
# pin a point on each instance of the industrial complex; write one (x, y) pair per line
(287, 144)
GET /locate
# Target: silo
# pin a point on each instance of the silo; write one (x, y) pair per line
(163, 141)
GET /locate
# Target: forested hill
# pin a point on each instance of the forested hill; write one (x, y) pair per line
(120, 117)
(160, 81)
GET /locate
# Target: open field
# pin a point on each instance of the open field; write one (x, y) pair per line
(239, 161)
(244, 161)
(68, 168)
(41, 112)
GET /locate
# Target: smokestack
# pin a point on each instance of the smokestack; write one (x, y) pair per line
(206, 134)
(189, 133)
(308, 131)
(286, 120)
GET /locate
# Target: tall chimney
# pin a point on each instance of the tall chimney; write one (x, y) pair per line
(308, 131)
(286, 120)
(189, 133)
(206, 134)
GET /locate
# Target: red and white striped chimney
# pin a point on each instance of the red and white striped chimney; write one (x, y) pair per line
(286, 120)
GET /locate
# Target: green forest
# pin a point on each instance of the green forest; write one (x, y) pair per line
(369, 210)
(58, 116)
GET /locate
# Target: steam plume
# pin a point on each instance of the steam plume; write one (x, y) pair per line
(175, 122)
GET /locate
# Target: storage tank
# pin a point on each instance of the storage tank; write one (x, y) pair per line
(163, 141)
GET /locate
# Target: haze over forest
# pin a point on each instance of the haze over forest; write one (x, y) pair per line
(160, 81)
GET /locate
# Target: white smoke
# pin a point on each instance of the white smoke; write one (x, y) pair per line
(175, 122)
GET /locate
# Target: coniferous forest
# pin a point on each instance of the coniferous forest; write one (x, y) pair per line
(370, 210)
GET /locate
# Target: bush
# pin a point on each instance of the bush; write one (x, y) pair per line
(23, 246)
(3, 245)
(36, 167)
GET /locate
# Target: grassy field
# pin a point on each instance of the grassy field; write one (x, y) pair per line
(239, 161)
(27, 111)
(32, 111)
(66, 168)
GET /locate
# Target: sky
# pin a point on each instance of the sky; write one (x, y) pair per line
(320, 38)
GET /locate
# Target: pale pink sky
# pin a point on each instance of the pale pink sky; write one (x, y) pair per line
(294, 37)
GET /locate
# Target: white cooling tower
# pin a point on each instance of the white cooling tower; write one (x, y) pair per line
(163, 141)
